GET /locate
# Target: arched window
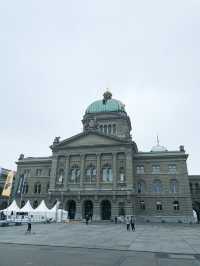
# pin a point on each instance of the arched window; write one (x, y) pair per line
(91, 172)
(107, 173)
(173, 186)
(176, 205)
(105, 129)
(157, 186)
(158, 206)
(121, 175)
(141, 187)
(74, 174)
(60, 178)
(109, 129)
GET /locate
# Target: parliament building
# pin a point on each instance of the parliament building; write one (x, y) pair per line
(101, 172)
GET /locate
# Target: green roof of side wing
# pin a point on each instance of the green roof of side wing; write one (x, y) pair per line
(110, 105)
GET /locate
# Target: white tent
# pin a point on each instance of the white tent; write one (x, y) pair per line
(12, 208)
(27, 208)
(43, 213)
(42, 208)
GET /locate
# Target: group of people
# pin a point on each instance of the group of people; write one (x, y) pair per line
(130, 223)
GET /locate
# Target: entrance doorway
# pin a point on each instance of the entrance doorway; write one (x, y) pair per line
(105, 210)
(71, 208)
(88, 208)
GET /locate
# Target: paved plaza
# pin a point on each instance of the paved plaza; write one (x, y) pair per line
(101, 244)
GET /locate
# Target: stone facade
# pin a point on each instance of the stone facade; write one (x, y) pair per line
(100, 172)
(194, 182)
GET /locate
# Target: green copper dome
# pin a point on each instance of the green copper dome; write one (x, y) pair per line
(106, 105)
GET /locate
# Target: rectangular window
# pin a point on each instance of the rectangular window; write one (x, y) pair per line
(49, 172)
(172, 169)
(38, 172)
(26, 172)
(140, 169)
(156, 169)
(142, 205)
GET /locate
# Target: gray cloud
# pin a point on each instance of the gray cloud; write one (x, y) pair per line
(57, 57)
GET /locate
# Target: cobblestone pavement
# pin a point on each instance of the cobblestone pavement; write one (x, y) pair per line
(100, 244)
(170, 238)
(34, 255)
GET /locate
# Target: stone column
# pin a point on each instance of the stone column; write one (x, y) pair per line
(78, 208)
(82, 170)
(66, 172)
(96, 210)
(114, 164)
(98, 171)
(53, 172)
(129, 170)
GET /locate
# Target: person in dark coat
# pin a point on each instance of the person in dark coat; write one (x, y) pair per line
(132, 223)
(29, 225)
(87, 218)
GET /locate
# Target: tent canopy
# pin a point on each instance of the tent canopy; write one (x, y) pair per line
(42, 207)
(13, 207)
(27, 207)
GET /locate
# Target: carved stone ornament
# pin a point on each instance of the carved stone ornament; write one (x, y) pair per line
(56, 140)
(21, 156)
(91, 124)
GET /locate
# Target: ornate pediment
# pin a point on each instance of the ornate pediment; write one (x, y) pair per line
(88, 139)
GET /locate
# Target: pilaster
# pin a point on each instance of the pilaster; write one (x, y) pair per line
(129, 170)
(66, 172)
(82, 170)
(114, 156)
(98, 171)
(53, 172)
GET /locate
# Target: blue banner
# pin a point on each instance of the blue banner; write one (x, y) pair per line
(20, 185)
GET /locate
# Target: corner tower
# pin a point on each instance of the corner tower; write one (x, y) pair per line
(108, 116)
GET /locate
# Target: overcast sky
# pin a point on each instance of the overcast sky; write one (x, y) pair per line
(57, 57)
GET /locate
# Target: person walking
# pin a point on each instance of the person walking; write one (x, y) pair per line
(128, 223)
(86, 218)
(132, 223)
(29, 225)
